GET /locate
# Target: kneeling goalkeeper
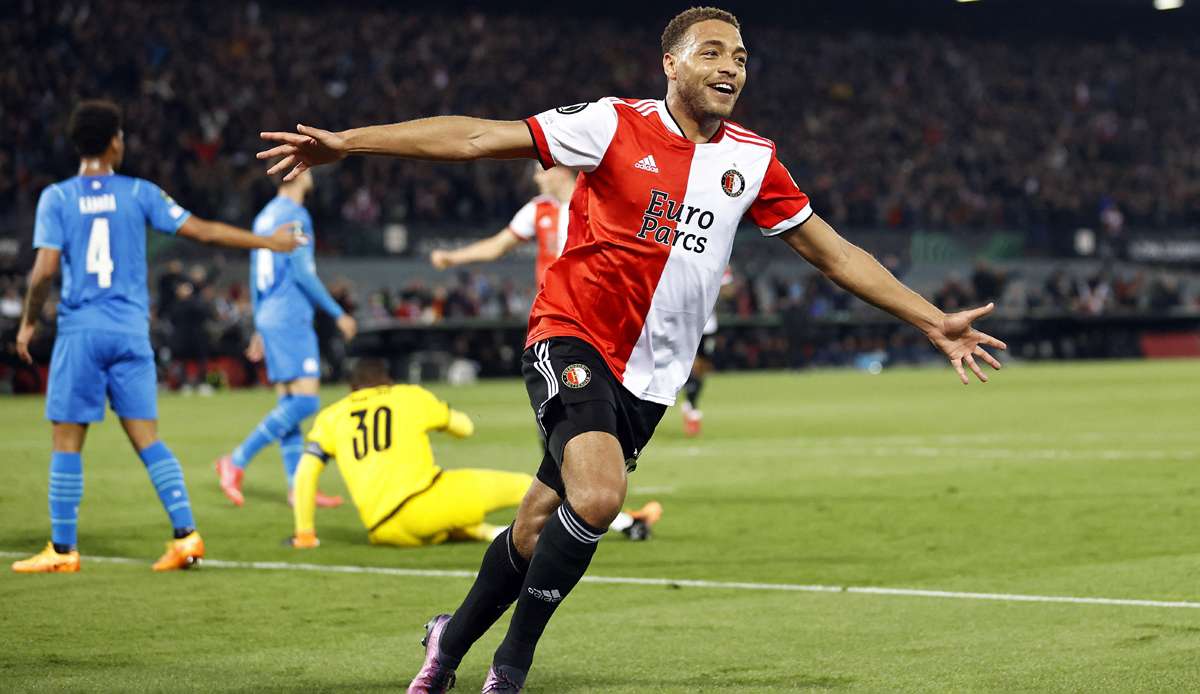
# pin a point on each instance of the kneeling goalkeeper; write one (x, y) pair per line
(379, 436)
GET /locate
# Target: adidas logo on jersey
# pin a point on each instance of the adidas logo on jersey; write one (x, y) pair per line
(551, 595)
(647, 164)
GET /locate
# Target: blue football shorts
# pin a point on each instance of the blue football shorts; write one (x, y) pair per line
(291, 353)
(87, 367)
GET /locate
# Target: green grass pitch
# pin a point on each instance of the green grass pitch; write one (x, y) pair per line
(1064, 480)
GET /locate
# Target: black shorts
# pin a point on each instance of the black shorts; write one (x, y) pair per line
(572, 392)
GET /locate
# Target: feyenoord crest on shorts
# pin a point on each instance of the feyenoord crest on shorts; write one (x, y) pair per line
(576, 376)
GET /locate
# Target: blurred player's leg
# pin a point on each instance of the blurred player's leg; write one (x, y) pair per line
(454, 507)
(288, 414)
(486, 491)
(291, 447)
(693, 418)
(66, 489)
(132, 388)
(187, 547)
(66, 492)
(636, 524)
(75, 396)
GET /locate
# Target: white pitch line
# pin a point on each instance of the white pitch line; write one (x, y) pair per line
(674, 583)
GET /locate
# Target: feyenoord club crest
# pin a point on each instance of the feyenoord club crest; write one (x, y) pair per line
(732, 183)
(576, 376)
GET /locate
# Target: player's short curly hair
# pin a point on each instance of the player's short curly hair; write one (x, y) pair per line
(93, 125)
(673, 35)
(369, 372)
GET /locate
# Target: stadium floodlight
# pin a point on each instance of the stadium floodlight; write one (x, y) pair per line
(1168, 4)
(966, 1)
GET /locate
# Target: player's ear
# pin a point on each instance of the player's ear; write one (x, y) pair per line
(669, 66)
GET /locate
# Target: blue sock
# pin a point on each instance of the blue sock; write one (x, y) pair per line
(292, 447)
(66, 491)
(167, 477)
(287, 415)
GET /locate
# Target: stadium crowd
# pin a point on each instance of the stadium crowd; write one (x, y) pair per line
(905, 131)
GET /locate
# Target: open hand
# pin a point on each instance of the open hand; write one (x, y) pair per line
(961, 343)
(302, 150)
(254, 352)
(287, 237)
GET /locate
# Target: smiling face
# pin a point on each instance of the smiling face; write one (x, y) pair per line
(707, 69)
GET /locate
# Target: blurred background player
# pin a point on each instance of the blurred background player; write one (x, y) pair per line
(379, 435)
(284, 289)
(93, 226)
(692, 416)
(544, 219)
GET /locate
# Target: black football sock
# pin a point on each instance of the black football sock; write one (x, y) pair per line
(691, 391)
(563, 553)
(496, 587)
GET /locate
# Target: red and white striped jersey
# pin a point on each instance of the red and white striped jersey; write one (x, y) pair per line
(543, 218)
(651, 228)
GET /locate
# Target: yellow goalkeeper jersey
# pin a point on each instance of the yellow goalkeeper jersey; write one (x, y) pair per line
(379, 438)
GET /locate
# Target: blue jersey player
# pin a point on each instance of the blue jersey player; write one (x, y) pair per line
(285, 290)
(93, 228)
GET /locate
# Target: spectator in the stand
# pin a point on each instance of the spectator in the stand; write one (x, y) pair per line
(954, 294)
(1061, 291)
(1127, 290)
(1095, 294)
(987, 282)
(1165, 293)
(168, 282)
(190, 318)
(460, 300)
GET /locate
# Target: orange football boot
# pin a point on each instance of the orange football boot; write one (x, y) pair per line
(48, 561)
(183, 553)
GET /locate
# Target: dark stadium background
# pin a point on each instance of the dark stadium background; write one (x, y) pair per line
(1045, 155)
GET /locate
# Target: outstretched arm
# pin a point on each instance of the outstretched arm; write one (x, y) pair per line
(859, 273)
(441, 138)
(285, 239)
(305, 267)
(482, 251)
(41, 278)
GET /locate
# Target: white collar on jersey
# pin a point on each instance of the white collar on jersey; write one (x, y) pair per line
(668, 121)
